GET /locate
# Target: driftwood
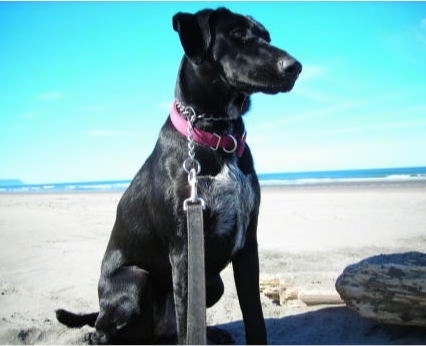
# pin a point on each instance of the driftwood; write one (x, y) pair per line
(319, 298)
(271, 289)
(282, 294)
(388, 288)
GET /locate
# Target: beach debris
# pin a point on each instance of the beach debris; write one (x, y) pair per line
(388, 288)
(283, 294)
(271, 289)
(320, 298)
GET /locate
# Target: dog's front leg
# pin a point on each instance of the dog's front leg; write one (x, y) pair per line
(246, 276)
(179, 262)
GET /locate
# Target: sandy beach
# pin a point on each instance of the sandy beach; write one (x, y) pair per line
(52, 245)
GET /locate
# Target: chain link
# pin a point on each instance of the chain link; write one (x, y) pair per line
(191, 162)
(191, 165)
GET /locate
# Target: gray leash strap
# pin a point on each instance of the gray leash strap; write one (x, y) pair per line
(196, 314)
(194, 205)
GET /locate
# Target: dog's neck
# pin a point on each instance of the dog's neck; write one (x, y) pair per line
(202, 88)
(184, 119)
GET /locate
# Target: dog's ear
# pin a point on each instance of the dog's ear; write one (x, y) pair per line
(194, 33)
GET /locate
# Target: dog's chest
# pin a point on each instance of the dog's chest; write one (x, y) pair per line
(230, 199)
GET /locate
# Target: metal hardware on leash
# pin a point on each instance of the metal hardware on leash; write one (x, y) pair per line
(191, 165)
(193, 198)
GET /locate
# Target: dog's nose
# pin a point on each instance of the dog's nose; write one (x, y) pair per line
(289, 66)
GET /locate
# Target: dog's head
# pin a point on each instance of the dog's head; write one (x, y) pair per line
(239, 47)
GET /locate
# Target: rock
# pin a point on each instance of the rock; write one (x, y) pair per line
(388, 288)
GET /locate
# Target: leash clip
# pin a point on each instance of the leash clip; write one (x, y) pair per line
(193, 198)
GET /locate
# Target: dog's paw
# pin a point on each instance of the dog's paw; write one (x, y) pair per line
(218, 336)
(90, 338)
(95, 338)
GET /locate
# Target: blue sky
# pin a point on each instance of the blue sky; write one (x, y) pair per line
(85, 87)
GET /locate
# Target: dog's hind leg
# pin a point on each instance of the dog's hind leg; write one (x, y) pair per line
(126, 315)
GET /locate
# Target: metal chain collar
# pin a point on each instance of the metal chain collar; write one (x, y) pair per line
(188, 111)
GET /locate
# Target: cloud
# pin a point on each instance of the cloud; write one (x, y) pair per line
(50, 96)
(307, 85)
(421, 31)
(306, 116)
(356, 108)
(314, 94)
(93, 108)
(29, 115)
(165, 105)
(109, 133)
(379, 128)
(310, 72)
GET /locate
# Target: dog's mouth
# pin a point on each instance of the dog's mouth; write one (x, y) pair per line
(267, 81)
(268, 87)
(284, 87)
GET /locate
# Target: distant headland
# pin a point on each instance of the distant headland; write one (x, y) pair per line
(10, 182)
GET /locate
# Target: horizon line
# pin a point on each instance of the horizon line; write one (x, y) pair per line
(20, 182)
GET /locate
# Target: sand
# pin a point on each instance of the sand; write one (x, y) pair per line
(52, 245)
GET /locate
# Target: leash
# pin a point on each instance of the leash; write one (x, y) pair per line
(194, 205)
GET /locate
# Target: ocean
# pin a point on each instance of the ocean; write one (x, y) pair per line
(370, 177)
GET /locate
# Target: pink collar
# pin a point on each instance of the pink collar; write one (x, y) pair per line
(228, 143)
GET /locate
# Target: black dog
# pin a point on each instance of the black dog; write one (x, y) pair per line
(143, 287)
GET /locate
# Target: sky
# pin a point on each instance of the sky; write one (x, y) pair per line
(86, 86)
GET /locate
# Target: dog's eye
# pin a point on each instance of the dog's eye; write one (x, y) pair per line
(239, 33)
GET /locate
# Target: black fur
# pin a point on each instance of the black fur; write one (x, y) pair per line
(142, 288)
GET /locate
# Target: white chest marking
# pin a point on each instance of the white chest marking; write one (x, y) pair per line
(232, 198)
